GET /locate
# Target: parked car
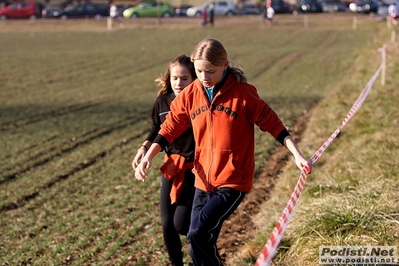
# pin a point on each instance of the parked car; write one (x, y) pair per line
(221, 8)
(21, 10)
(122, 8)
(51, 7)
(249, 9)
(309, 6)
(281, 6)
(333, 6)
(181, 10)
(150, 9)
(364, 6)
(86, 10)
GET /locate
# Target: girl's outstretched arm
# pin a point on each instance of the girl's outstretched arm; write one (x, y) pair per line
(302, 163)
(141, 153)
(140, 170)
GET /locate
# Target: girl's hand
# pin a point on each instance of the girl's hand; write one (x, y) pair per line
(140, 171)
(304, 165)
(146, 162)
(139, 155)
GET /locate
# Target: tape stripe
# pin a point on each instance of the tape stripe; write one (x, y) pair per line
(269, 249)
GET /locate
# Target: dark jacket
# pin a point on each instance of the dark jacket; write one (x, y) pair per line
(183, 145)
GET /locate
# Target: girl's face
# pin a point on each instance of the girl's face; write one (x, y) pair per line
(209, 74)
(180, 77)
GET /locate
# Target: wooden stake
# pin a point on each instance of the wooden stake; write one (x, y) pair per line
(354, 25)
(389, 24)
(384, 67)
(109, 23)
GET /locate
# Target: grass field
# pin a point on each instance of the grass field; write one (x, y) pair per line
(75, 101)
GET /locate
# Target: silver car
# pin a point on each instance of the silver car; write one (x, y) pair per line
(221, 8)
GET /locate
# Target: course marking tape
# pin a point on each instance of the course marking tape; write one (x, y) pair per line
(270, 247)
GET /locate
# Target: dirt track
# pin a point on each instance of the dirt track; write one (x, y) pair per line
(239, 228)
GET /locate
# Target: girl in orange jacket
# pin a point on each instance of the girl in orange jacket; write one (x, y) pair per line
(222, 109)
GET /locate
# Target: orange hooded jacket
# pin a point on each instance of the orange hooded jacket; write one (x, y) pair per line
(223, 132)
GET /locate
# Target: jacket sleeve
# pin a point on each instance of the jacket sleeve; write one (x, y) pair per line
(260, 113)
(177, 120)
(156, 121)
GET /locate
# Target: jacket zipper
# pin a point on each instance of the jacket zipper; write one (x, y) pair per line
(210, 127)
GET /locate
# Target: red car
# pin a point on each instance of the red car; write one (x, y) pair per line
(20, 10)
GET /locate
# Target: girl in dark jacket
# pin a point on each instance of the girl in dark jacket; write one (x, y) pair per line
(177, 185)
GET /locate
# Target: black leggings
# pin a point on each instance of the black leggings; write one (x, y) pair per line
(176, 217)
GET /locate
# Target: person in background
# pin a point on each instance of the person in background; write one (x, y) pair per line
(222, 109)
(212, 14)
(114, 15)
(177, 181)
(268, 13)
(393, 13)
(204, 16)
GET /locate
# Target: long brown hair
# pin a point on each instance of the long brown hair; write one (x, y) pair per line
(164, 80)
(212, 50)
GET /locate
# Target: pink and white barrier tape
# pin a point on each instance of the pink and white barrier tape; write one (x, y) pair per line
(271, 245)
